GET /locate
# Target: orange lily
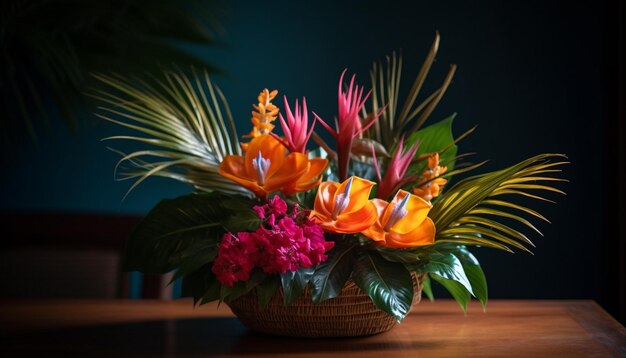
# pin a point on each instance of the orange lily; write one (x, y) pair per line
(266, 167)
(344, 208)
(309, 180)
(403, 222)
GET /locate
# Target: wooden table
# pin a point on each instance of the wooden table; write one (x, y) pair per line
(159, 328)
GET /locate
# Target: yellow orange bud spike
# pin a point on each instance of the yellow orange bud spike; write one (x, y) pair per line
(263, 115)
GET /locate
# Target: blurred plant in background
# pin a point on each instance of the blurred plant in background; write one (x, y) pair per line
(49, 47)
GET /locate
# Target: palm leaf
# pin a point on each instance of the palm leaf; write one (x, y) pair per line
(385, 91)
(46, 59)
(184, 121)
(468, 213)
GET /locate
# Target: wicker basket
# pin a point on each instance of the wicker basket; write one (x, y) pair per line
(350, 314)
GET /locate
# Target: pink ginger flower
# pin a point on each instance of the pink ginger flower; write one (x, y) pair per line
(295, 127)
(348, 122)
(395, 175)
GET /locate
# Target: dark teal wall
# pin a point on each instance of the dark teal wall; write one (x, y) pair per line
(530, 76)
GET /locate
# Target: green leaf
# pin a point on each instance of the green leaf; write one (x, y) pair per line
(256, 277)
(436, 138)
(201, 285)
(229, 293)
(331, 275)
(267, 289)
(469, 208)
(244, 220)
(194, 257)
(458, 291)
(47, 59)
(475, 275)
(389, 284)
(407, 256)
(212, 291)
(183, 123)
(447, 266)
(242, 287)
(162, 239)
(427, 289)
(294, 282)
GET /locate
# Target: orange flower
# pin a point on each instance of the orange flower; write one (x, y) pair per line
(433, 184)
(266, 168)
(264, 114)
(309, 180)
(344, 208)
(403, 222)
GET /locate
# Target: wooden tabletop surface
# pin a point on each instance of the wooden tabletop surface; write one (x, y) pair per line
(174, 328)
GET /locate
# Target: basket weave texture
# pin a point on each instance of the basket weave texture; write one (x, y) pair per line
(350, 314)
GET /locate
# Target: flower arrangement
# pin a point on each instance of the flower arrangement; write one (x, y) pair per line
(281, 218)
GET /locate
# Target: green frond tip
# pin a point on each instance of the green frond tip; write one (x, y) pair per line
(469, 212)
(402, 116)
(183, 128)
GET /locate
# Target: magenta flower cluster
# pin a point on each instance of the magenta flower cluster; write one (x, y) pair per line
(283, 242)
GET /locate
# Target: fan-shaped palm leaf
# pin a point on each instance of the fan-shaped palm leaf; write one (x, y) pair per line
(385, 91)
(49, 47)
(468, 213)
(183, 119)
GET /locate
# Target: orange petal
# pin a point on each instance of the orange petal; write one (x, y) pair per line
(424, 234)
(376, 231)
(233, 168)
(417, 211)
(310, 179)
(270, 148)
(357, 221)
(292, 168)
(324, 199)
(359, 193)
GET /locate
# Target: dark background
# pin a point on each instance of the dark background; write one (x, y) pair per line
(534, 76)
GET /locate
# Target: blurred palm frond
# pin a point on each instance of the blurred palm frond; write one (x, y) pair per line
(49, 47)
(183, 119)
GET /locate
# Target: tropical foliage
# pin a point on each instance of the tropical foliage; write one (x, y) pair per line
(50, 46)
(270, 214)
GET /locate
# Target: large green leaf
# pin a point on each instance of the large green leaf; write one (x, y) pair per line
(229, 293)
(201, 285)
(474, 274)
(196, 256)
(267, 289)
(447, 266)
(435, 138)
(389, 284)
(407, 256)
(161, 240)
(331, 275)
(427, 288)
(243, 218)
(212, 290)
(294, 282)
(458, 291)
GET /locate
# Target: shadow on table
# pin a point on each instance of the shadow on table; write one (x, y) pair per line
(186, 337)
